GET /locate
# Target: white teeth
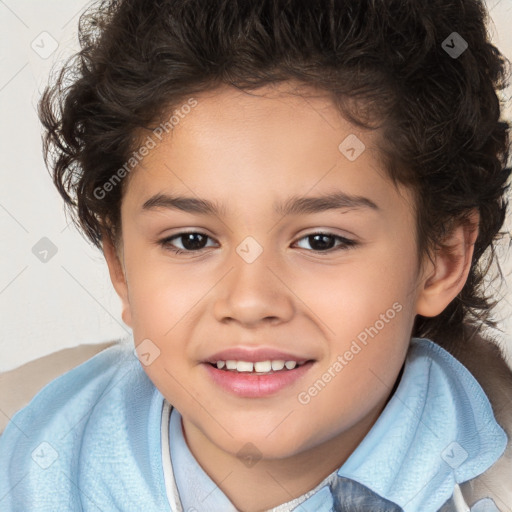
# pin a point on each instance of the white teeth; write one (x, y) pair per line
(258, 366)
(244, 366)
(263, 366)
(277, 365)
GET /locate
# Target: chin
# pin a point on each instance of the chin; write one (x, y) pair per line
(259, 446)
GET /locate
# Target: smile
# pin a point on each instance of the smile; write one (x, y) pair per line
(257, 379)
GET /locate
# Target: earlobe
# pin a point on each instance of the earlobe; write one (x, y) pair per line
(445, 275)
(117, 276)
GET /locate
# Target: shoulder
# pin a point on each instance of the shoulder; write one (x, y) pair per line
(20, 385)
(97, 424)
(43, 388)
(485, 360)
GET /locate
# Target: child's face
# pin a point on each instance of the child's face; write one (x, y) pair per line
(349, 311)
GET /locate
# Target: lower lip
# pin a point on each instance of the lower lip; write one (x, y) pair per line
(250, 385)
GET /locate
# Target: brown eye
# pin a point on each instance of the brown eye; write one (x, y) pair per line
(191, 242)
(324, 242)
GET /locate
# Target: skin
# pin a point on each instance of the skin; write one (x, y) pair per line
(247, 151)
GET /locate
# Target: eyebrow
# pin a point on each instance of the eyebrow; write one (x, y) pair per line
(293, 206)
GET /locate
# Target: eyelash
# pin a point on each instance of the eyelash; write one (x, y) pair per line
(345, 245)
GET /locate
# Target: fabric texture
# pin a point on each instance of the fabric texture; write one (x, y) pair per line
(92, 440)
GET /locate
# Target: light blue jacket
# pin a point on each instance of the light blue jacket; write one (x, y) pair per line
(97, 438)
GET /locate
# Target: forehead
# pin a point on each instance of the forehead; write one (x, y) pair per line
(293, 114)
(276, 138)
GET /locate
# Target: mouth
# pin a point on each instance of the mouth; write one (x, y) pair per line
(256, 379)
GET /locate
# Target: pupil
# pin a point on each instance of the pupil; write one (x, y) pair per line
(321, 245)
(188, 238)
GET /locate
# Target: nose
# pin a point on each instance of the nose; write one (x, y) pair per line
(253, 293)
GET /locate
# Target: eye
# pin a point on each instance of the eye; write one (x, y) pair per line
(319, 240)
(193, 241)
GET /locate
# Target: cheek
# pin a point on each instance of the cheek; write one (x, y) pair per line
(367, 313)
(353, 295)
(160, 298)
(360, 373)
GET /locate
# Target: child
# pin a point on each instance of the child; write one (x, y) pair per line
(344, 165)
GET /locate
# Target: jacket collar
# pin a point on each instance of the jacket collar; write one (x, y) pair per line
(437, 430)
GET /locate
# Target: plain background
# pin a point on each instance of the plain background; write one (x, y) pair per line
(64, 297)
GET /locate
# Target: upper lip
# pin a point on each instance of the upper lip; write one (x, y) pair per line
(254, 354)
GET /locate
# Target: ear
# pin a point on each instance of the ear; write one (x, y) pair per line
(445, 276)
(117, 276)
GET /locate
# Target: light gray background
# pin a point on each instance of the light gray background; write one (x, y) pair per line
(69, 300)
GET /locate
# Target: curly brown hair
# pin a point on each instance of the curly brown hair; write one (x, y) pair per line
(384, 63)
